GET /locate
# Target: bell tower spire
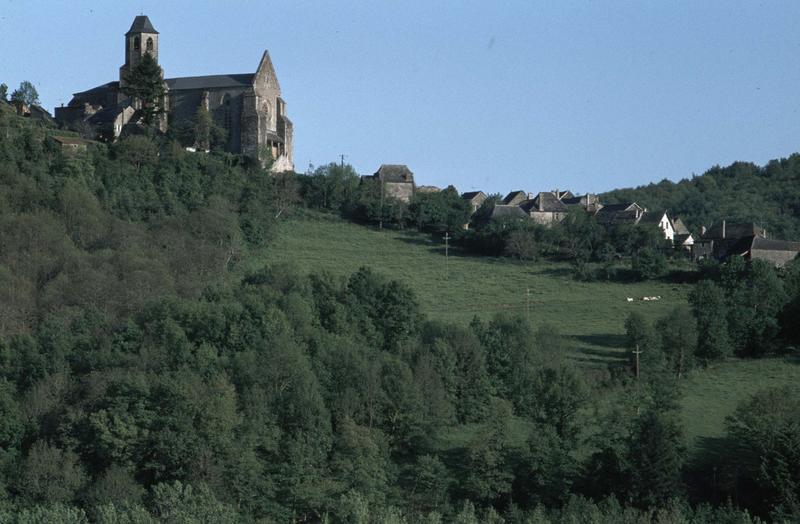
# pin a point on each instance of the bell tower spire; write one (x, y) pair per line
(141, 38)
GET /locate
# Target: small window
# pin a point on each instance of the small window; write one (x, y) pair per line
(136, 44)
(149, 44)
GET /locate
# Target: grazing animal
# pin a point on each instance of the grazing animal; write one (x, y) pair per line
(630, 299)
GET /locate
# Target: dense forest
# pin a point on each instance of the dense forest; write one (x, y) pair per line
(152, 370)
(742, 191)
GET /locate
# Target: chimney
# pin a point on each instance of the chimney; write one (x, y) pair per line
(723, 229)
(541, 201)
(530, 196)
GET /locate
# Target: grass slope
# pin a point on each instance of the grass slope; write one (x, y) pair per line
(711, 394)
(459, 287)
(592, 314)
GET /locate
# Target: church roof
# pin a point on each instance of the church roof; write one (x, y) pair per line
(209, 82)
(141, 24)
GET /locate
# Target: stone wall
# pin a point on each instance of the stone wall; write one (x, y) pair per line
(400, 190)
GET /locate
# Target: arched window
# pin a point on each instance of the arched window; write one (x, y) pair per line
(150, 44)
(136, 44)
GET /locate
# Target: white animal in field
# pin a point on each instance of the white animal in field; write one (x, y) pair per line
(629, 299)
(646, 298)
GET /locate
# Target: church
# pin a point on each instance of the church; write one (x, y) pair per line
(247, 106)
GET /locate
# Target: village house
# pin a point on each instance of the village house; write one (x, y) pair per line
(716, 241)
(396, 180)
(661, 220)
(545, 208)
(71, 144)
(515, 198)
(247, 106)
(475, 199)
(726, 239)
(32, 111)
(683, 239)
(776, 252)
(589, 202)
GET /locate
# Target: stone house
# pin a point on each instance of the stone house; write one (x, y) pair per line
(589, 202)
(71, 144)
(545, 208)
(397, 181)
(475, 199)
(249, 106)
(745, 239)
(515, 198)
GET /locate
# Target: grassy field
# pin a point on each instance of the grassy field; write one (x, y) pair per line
(593, 314)
(458, 287)
(711, 394)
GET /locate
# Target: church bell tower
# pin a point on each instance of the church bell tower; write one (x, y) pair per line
(141, 38)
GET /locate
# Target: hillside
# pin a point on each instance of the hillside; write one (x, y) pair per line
(591, 314)
(459, 287)
(180, 336)
(742, 191)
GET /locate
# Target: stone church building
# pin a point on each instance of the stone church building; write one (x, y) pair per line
(248, 106)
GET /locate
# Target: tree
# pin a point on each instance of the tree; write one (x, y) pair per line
(766, 434)
(708, 304)
(145, 84)
(202, 128)
(648, 263)
(26, 93)
(656, 458)
(678, 334)
(3, 92)
(640, 336)
(486, 473)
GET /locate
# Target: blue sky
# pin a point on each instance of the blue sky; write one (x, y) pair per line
(585, 95)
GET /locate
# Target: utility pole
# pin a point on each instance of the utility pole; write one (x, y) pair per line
(637, 353)
(342, 162)
(446, 252)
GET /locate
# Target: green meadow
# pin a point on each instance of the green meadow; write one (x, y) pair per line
(457, 288)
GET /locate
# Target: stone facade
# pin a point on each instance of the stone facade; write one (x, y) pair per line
(248, 107)
(397, 181)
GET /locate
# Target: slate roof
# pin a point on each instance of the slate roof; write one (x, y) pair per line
(470, 195)
(503, 211)
(141, 24)
(514, 195)
(545, 202)
(99, 89)
(394, 173)
(680, 227)
(108, 114)
(734, 230)
(617, 213)
(652, 217)
(615, 208)
(210, 81)
(768, 244)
